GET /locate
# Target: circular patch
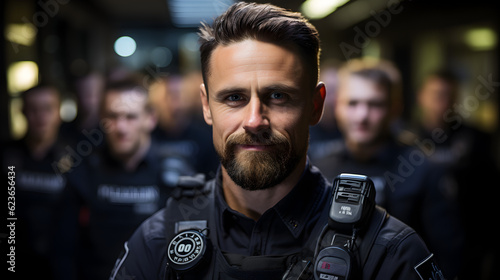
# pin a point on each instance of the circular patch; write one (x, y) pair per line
(186, 249)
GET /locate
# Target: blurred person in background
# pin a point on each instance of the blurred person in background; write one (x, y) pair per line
(113, 189)
(38, 185)
(323, 136)
(88, 89)
(442, 133)
(411, 188)
(181, 131)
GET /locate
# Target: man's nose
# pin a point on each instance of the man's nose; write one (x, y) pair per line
(121, 123)
(362, 111)
(256, 118)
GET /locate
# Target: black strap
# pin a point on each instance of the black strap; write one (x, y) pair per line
(378, 218)
(190, 186)
(365, 240)
(192, 200)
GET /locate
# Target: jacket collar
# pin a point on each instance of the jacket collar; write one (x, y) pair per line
(294, 210)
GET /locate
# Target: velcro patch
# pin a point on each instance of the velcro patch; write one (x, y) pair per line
(429, 270)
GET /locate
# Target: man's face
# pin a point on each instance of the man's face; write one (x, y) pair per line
(89, 91)
(127, 122)
(260, 108)
(362, 110)
(436, 97)
(42, 113)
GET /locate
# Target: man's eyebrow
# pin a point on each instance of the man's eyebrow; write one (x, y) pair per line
(266, 89)
(280, 88)
(221, 94)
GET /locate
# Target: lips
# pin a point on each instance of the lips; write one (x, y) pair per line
(254, 147)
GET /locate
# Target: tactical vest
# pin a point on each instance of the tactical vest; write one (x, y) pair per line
(193, 251)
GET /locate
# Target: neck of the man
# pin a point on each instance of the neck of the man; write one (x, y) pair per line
(254, 203)
(132, 161)
(91, 120)
(365, 151)
(175, 128)
(429, 123)
(40, 146)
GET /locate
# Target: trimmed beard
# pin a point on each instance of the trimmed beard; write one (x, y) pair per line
(259, 170)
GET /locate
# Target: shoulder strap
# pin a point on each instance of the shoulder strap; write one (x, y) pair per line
(189, 207)
(190, 186)
(377, 220)
(189, 203)
(324, 238)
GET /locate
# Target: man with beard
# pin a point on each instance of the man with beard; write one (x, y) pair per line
(267, 205)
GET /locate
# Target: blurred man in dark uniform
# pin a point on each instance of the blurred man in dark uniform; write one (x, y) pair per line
(88, 89)
(113, 189)
(180, 132)
(442, 132)
(38, 185)
(263, 212)
(408, 186)
(322, 134)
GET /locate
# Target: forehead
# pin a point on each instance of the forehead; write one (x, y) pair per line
(358, 87)
(44, 95)
(436, 84)
(126, 100)
(254, 59)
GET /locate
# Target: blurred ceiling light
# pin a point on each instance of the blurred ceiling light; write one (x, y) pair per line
(190, 13)
(189, 42)
(161, 56)
(481, 39)
(125, 46)
(21, 33)
(21, 76)
(68, 110)
(318, 9)
(18, 123)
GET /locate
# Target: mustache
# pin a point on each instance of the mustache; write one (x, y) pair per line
(264, 138)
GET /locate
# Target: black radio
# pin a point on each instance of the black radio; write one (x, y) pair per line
(353, 201)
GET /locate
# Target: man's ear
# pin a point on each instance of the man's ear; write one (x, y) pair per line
(204, 101)
(152, 121)
(318, 103)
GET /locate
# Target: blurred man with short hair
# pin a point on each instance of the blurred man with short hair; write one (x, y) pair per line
(114, 188)
(38, 185)
(410, 187)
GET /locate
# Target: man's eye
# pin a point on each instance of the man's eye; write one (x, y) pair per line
(111, 116)
(377, 104)
(132, 116)
(234, 97)
(277, 95)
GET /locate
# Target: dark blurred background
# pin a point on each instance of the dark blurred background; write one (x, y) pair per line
(59, 40)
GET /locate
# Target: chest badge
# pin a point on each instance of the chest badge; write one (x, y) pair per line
(186, 250)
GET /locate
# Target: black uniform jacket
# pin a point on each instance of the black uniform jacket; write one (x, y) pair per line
(282, 230)
(102, 205)
(412, 189)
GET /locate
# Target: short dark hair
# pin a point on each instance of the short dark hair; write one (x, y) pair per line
(445, 74)
(126, 84)
(39, 88)
(264, 22)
